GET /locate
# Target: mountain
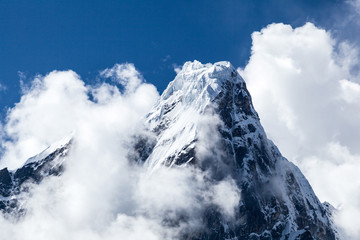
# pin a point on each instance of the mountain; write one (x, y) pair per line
(47, 163)
(205, 119)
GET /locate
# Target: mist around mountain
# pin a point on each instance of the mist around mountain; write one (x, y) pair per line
(193, 163)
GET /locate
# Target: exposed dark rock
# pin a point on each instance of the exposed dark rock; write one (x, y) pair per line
(14, 182)
(5, 183)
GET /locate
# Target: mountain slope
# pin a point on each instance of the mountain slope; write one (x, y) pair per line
(205, 120)
(47, 163)
(277, 201)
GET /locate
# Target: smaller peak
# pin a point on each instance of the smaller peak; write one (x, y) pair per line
(51, 149)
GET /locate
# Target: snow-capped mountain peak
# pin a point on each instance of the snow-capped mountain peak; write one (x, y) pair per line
(278, 202)
(181, 108)
(198, 84)
(205, 120)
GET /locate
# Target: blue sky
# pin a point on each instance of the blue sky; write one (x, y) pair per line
(37, 37)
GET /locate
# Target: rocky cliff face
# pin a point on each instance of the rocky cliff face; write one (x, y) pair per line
(277, 201)
(205, 119)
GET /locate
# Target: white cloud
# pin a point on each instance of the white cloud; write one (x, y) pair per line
(226, 196)
(177, 68)
(304, 88)
(350, 91)
(100, 195)
(125, 74)
(47, 112)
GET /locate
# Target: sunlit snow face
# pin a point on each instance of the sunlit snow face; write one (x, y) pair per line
(101, 195)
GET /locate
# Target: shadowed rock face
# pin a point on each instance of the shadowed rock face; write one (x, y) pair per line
(12, 183)
(5, 183)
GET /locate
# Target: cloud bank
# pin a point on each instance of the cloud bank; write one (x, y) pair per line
(305, 87)
(101, 195)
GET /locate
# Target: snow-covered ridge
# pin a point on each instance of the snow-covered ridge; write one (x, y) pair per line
(198, 84)
(181, 107)
(45, 164)
(52, 148)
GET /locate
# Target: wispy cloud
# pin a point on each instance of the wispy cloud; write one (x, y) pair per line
(167, 58)
(177, 68)
(124, 74)
(2, 88)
